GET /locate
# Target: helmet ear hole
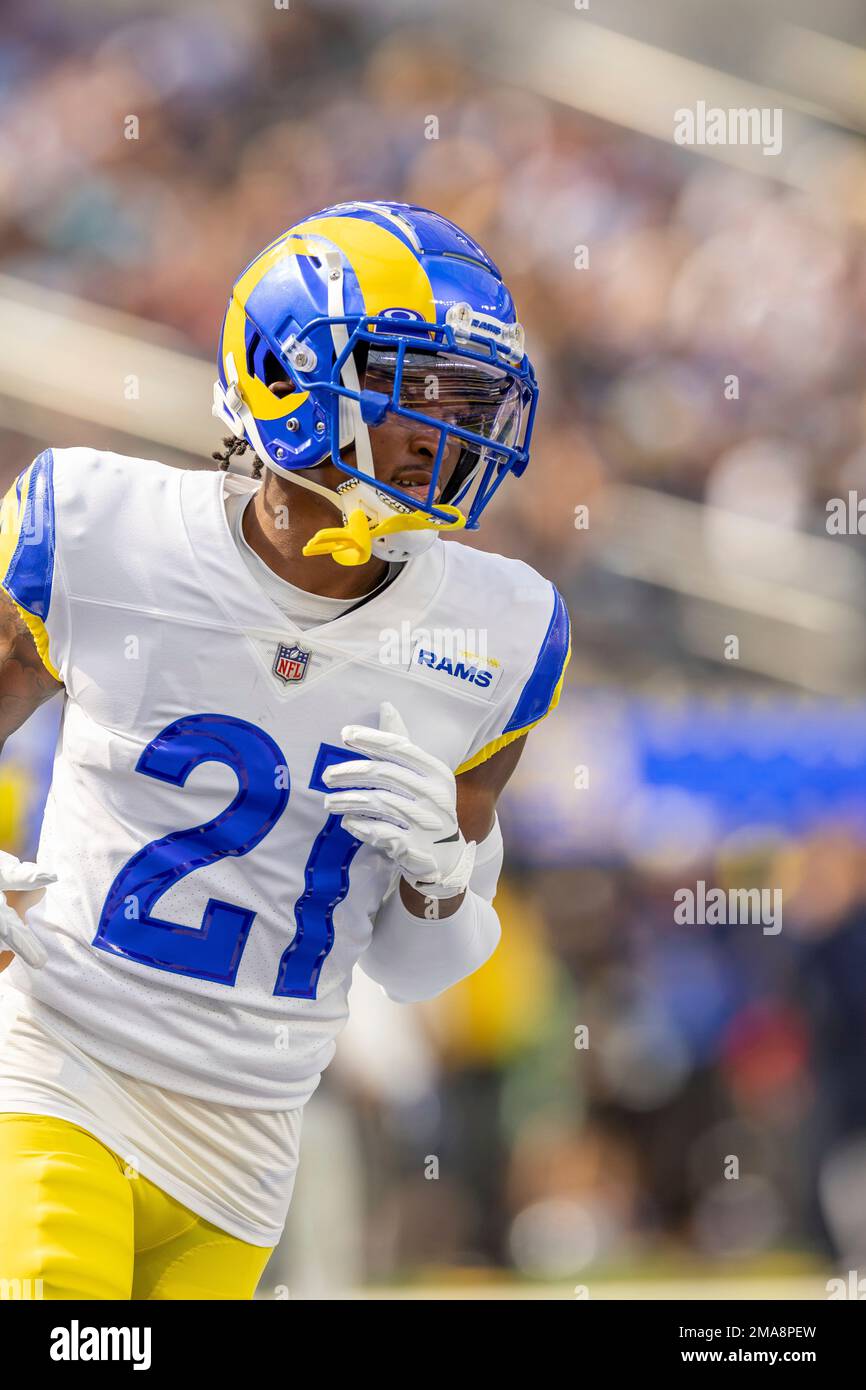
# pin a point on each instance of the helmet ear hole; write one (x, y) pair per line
(253, 345)
(275, 374)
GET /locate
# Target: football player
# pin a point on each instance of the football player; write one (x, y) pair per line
(288, 711)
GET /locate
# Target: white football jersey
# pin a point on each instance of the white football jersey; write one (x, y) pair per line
(208, 912)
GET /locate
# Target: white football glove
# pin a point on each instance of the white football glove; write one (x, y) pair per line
(402, 801)
(15, 935)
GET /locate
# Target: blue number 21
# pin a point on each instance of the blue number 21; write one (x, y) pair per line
(129, 925)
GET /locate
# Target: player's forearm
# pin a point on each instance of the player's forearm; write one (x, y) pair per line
(419, 906)
(416, 958)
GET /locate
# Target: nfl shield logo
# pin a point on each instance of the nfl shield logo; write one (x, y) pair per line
(290, 663)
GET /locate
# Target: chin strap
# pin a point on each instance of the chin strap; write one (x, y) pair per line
(352, 543)
(349, 544)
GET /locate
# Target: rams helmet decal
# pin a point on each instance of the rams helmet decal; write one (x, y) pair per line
(368, 312)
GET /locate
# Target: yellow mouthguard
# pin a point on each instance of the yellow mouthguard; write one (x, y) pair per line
(352, 544)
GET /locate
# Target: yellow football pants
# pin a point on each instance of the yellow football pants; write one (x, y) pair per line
(72, 1219)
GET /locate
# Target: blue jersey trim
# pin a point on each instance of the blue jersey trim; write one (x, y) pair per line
(537, 694)
(31, 569)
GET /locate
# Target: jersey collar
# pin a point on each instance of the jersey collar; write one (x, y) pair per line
(246, 605)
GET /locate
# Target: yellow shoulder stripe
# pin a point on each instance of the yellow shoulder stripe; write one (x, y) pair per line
(502, 742)
(39, 634)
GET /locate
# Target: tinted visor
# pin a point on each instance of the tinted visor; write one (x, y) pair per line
(483, 399)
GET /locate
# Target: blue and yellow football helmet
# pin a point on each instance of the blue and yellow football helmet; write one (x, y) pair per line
(373, 311)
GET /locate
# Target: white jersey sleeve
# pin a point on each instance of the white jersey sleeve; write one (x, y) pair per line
(522, 622)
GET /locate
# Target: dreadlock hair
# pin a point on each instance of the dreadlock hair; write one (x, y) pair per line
(231, 447)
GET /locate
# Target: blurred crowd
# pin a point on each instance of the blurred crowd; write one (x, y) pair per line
(550, 1157)
(245, 119)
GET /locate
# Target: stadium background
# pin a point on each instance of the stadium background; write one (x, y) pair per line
(542, 128)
